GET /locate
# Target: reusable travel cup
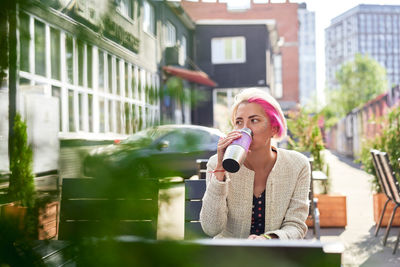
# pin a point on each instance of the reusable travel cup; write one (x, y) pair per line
(236, 152)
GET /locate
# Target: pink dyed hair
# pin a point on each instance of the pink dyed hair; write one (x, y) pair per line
(272, 114)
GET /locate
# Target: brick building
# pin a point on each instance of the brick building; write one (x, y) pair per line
(286, 17)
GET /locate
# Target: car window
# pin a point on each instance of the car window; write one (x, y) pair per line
(177, 141)
(150, 133)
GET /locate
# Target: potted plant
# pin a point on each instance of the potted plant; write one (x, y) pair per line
(388, 141)
(24, 208)
(21, 191)
(306, 136)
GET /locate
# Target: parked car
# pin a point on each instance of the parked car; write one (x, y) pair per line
(163, 151)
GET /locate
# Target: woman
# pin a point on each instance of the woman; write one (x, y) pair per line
(268, 197)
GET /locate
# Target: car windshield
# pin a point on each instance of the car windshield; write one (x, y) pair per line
(147, 135)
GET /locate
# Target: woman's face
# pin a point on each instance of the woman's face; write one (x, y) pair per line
(252, 116)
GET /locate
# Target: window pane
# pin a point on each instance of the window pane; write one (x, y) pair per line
(81, 115)
(56, 92)
(24, 42)
(101, 113)
(71, 113)
(55, 54)
(110, 117)
(127, 118)
(101, 71)
(119, 114)
(126, 80)
(90, 111)
(239, 49)
(228, 49)
(40, 67)
(110, 76)
(70, 59)
(89, 66)
(133, 119)
(81, 56)
(118, 82)
(140, 124)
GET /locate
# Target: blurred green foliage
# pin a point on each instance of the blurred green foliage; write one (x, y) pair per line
(387, 141)
(306, 136)
(21, 188)
(359, 81)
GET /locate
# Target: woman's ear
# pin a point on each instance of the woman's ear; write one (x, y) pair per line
(275, 130)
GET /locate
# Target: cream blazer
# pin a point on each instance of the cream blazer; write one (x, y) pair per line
(227, 206)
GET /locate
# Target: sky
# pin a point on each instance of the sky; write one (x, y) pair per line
(325, 10)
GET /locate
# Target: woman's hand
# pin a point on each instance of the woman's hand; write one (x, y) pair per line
(223, 143)
(256, 237)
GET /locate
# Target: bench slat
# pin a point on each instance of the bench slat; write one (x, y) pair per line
(192, 210)
(78, 229)
(195, 189)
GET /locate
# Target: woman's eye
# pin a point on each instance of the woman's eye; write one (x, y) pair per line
(254, 120)
(238, 122)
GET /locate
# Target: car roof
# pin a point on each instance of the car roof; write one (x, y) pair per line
(191, 127)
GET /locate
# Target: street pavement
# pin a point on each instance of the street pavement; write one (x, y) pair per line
(362, 248)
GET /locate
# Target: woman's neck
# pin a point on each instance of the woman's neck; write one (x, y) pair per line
(261, 158)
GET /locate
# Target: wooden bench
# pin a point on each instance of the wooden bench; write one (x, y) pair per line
(194, 191)
(101, 207)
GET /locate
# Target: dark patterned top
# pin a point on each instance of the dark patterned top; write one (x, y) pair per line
(258, 215)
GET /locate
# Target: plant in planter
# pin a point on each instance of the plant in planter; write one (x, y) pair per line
(307, 137)
(21, 191)
(388, 141)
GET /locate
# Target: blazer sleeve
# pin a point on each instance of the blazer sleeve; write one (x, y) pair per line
(294, 226)
(214, 212)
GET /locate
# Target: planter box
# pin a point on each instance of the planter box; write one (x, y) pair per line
(379, 202)
(47, 219)
(332, 209)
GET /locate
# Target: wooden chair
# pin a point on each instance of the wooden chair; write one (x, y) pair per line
(194, 191)
(383, 182)
(394, 185)
(95, 207)
(202, 168)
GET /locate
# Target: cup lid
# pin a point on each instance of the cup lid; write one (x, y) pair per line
(248, 131)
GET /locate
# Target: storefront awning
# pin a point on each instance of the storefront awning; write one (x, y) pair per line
(190, 75)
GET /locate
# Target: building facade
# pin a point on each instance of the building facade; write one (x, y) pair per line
(285, 15)
(364, 29)
(91, 71)
(307, 55)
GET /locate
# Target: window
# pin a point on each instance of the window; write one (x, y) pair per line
(125, 7)
(70, 59)
(183, 52)
(148, 18)
(40, 67)
(87, 81)
(24, 42)
(55, 54)
(170, 34)
(228, 50)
